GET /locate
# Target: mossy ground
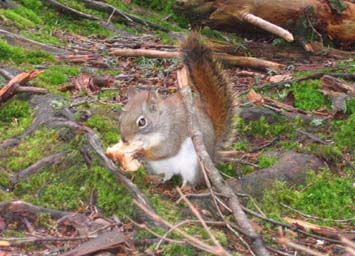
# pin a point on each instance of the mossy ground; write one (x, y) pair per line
(68, 185)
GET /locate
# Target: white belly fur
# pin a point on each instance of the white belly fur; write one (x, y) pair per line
(184, 163)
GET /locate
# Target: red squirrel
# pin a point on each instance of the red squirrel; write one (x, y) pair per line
(161, 123)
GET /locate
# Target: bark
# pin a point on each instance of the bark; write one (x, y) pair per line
(234, 16)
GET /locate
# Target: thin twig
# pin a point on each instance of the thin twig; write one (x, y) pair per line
(143, 226)
(203, 223)
(189, 239)
(286, 241)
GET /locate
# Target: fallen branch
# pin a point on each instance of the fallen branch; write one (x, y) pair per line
(13, 86)
(228, 59)
(50, 160)
(214, 175)
(11, 207)
(298, 247)
(15, 39)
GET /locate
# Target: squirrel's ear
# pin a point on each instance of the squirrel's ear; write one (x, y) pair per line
(153, 100)
(131, 91)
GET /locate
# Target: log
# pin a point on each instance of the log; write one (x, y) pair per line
(235, 16)
(291, 168)
(15, 39)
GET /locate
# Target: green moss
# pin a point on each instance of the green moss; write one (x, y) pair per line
(28, 152)
(213, 33)
(262, 129)
(266, 161)
(166, 208)
(227, 169)
(41, 36)
(55, 76)
(345, 134)
(28, 14)
(70, 24)
(175, 249)
(15, 117)
(44, 219)
(350, 106)
(325, 195)
(288, 145)
(247, 168)
(308, 97)
(19, 55)
(329, 152)
(31, 4)
(13, 18)
(111, 197)
(4, 179)
(241, 145)
(104, 126)
(165, 38)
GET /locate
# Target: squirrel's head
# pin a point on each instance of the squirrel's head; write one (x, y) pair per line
(140, 119)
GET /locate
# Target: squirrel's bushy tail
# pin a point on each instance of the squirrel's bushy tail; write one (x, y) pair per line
(207, 76)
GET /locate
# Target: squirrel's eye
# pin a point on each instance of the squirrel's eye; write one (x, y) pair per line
(141, 122)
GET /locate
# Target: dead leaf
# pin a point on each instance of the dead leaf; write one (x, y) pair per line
(255, 97)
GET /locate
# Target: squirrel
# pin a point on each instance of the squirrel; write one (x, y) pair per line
(161, 123)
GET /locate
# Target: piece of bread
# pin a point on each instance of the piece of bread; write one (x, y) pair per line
(123, 154)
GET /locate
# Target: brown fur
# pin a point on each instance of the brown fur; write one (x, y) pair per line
(208, 78)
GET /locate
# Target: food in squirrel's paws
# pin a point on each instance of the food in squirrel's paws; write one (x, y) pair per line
(124, 153)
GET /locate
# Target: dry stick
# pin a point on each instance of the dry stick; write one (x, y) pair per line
(189, 239)
(199, 217)
(349, 245)
(266, 25)
(217, 180)
(31, 89)
(278, 223)
(53, 159)
(347, 242)
(229, 59)
(286, 241)
(162, 238)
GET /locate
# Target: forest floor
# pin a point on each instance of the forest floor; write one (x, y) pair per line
(57, 193)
